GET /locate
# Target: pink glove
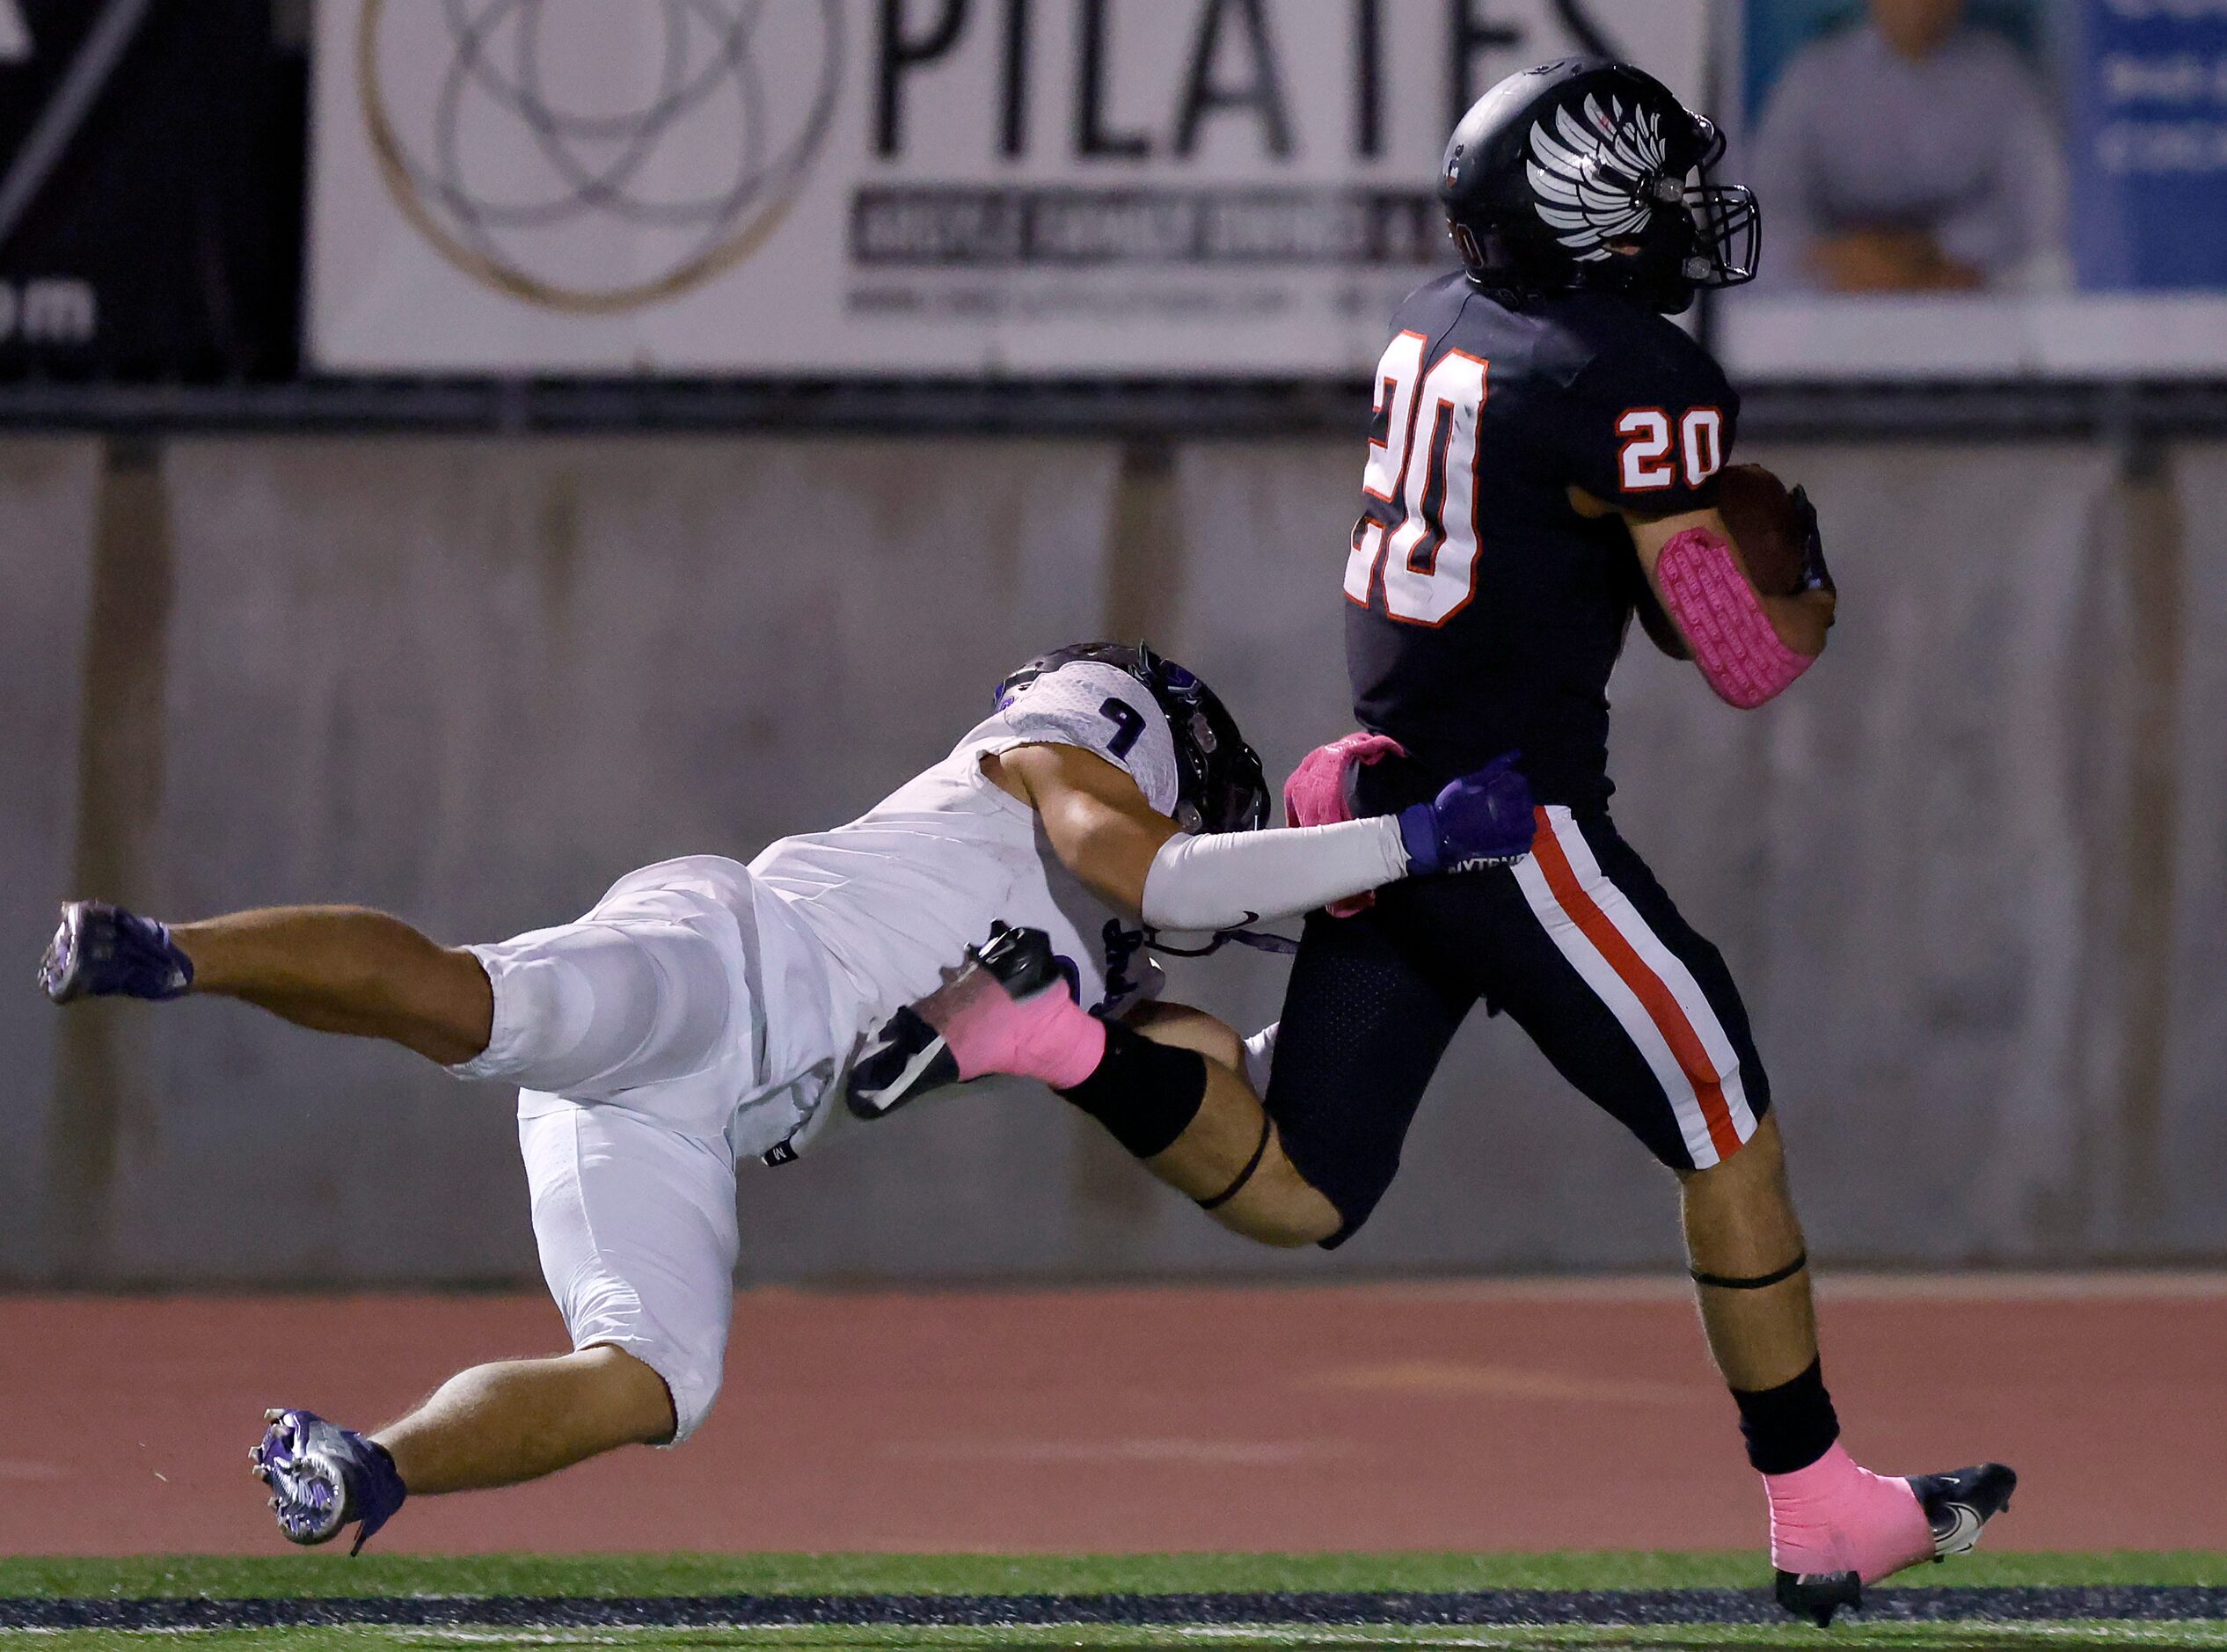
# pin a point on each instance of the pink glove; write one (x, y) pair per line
(1320, 791)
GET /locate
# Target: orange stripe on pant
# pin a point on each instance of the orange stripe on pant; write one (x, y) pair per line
(1661, 1006)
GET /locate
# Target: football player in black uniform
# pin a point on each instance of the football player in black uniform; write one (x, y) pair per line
(1544, 464)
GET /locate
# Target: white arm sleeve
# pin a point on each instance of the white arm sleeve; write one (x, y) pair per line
(1224, 880)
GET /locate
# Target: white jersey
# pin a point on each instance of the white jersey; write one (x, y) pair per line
(896, 897)
(704, 1012)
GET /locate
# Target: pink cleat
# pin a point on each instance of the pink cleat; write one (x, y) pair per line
(1836, 1526)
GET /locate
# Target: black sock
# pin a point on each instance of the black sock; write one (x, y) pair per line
(1791, 1426)
(385, 1462)
(1145, 1093)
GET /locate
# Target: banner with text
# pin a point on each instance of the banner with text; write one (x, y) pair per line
(1187, 187)
(150, 175)
(1985, 189)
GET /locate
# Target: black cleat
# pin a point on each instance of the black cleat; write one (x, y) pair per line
(1958, 1505)
(909, 1056)
(1817, 1595)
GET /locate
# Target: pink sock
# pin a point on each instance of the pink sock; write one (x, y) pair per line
(1835, 1517)
(1050, 1036)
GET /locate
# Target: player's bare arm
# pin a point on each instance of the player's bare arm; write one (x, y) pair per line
(1800, 620)
(1098, 821)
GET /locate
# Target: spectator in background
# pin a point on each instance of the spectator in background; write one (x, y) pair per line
(1911, 153)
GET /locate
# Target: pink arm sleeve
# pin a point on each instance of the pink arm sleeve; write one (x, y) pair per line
(1733, 643)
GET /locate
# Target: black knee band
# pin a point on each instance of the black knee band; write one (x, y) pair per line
(1761, 1281)
(1146, 1095)
(1259, 1152)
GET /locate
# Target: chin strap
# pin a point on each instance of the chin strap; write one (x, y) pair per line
(1278, 944)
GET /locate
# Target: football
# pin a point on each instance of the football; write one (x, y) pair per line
(1766, 526)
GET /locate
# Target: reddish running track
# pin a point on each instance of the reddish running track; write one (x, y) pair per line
(1485, 1417)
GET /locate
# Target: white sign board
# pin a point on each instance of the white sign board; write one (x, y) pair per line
(872, 188)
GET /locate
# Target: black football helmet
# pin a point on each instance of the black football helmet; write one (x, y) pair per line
(1574, 177)
(1219, 784)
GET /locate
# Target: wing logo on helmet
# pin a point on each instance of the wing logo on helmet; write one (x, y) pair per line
(1597, 179)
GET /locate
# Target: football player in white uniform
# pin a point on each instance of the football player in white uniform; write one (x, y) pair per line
(705, 1012)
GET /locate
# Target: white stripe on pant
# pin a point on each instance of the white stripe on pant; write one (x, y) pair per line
(1608, 983)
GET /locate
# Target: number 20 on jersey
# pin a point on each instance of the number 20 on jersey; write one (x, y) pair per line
(1427, 465)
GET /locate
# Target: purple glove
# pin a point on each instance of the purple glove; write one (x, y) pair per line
(1481, 820)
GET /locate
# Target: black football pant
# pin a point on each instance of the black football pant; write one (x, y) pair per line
(1578, 944)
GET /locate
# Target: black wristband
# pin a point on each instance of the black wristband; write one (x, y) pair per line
(1146, 1095)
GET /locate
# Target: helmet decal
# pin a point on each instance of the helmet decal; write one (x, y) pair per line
(1599, 179)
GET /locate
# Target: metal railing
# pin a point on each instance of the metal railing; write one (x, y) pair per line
(1132, 409)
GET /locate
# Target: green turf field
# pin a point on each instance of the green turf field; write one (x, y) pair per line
(1889, 1638)
(475, 1614)
(330, 1573)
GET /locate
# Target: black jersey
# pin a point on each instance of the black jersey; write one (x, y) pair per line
(1483, 612)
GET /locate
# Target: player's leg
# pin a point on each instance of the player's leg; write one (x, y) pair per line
(1638, 1012)
(1174, 1095)
(332, 968)
(1363, 1028)
(493, 1425)
(1366, 1021)
(520, 1419)
(635, 1222)
(636, 1226)
(1229, 1157)
(345, 970)
(1749, 1263)
(640, 991)
(633, 1211)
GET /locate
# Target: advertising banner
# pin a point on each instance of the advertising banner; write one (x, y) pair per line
(879, 187)
(151, 167)
(2150, 146)
(1985, 189)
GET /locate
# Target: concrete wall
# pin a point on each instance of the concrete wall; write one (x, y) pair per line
(50, 513)
(1972, 874)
